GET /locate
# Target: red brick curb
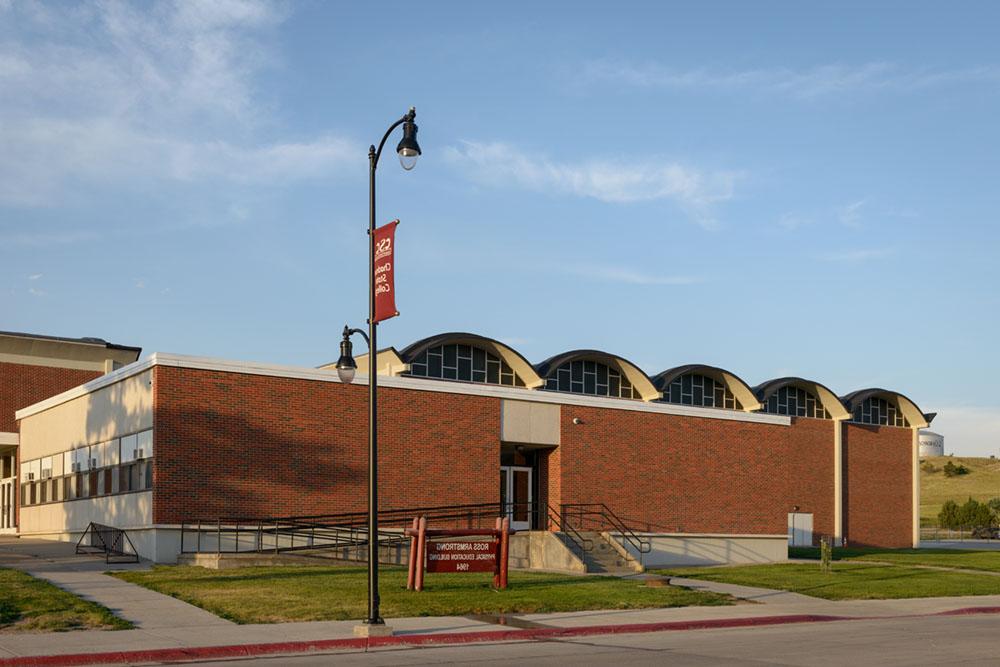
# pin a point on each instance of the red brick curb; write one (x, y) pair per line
(360, 643)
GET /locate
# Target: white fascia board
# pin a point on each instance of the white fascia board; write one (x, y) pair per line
(414, 384)
(8, 438)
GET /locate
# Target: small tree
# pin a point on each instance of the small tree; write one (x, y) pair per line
(825, 554)
(948, 516)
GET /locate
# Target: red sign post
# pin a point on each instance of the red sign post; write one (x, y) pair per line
(385, 286)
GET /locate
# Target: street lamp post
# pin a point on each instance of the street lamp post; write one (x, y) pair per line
(408, 151)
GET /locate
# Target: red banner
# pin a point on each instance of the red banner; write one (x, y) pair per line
(385, 287)
(462, 556)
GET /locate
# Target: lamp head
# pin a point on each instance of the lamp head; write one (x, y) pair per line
(408, 148)
(346, 366)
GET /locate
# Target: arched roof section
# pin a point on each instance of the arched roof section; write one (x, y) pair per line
(741, 390)
(631, 372)
(829, 399)
(914, 415)
(521, 366)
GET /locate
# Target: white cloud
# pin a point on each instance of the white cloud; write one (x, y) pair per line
(969, 431)
(609, 181)
(115, 93)
(850, 215)
(858, 255)
(624, 275)
(36, 292)
(793, 221)
(45, 238)
(44, 154)
(815, 82)
(34, 276)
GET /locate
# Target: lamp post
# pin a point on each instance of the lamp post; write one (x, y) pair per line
(408, 151)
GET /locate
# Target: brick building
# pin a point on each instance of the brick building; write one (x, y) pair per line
(33, 368)
(691, 453)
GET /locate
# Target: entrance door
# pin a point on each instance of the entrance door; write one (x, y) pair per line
(800, 529)
(7, 504)
(516, 495)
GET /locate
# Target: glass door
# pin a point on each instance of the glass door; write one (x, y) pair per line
(7, 504)
(516, 495)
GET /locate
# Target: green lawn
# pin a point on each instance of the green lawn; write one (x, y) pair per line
(28, 604)
(277, 594)
(850, 580)
(959, 558)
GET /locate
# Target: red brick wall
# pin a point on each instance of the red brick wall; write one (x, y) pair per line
(22, 385)
(685, 474)
(878, 494)
(231, 444)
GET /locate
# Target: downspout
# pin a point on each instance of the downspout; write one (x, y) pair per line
(838, 482)
(916, 488)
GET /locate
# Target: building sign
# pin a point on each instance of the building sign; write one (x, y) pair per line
(462, 556)
(385, 288)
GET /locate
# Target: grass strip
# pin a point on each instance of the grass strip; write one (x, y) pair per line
(966, 559)
(850, 580)
(28, 604)
(321, 593)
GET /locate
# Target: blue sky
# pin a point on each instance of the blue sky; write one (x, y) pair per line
(772, 188)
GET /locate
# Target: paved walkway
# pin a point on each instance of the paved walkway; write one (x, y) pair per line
(84, 576)
(165, 623)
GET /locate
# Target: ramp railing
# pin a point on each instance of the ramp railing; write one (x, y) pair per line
(113, 542)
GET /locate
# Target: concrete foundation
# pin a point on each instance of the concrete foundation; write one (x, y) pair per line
(679, 549)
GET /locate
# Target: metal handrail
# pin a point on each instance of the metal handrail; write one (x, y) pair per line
(584, 543)
(331, 530)
(109, 540)
(349, 529)
(607, 516)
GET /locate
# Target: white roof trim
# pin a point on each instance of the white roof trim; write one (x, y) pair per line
(416, 384)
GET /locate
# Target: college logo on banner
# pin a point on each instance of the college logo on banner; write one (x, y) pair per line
(385, 288)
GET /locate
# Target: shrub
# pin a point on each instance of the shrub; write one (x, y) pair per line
(974, 514)
(952, 470)
(948, 516)
(929, 467)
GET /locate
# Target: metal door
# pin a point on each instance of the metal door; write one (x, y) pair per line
(800, 529)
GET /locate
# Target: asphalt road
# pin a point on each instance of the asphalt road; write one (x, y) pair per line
(958, 640)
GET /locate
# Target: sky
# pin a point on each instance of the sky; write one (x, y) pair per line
(773, 188)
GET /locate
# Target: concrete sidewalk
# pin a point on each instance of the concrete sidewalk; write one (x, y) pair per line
(165, 624)
(338, 635)
(84, 576)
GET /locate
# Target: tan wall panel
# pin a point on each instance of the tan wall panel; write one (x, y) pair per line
(530, 423)
(130, 510)
(685, 550)
(119, 409)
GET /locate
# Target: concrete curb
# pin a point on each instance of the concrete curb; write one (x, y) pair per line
(364, 643)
